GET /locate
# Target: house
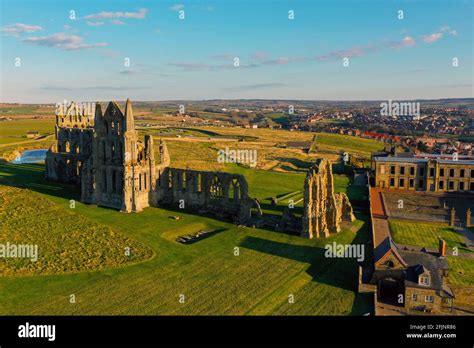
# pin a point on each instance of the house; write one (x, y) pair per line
(414, 281)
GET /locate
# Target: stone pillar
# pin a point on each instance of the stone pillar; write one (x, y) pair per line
(453, 217)
(468, 217)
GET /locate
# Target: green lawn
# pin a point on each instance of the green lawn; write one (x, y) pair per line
(67, 242)
(349, 143)
(19, 127)
(270, 267)
(461, 271)
(425, 234)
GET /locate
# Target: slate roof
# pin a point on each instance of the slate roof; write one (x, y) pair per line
(383, 248)
(418, 261)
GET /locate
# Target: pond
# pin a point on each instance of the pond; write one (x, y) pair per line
(31, 156)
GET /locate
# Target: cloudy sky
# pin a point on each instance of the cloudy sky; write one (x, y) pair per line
(103, 50)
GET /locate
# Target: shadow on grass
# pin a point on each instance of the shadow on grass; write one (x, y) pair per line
(32, 177)
(338, 272)
(296, 162)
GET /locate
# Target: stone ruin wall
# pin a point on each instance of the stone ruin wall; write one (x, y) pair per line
(222, 194)
(323, 210)
(116, 170)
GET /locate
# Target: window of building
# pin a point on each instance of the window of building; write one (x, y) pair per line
(461, 186)
(414, 297)
(472, 173)
(401, 183)
(412, 170)
(392, 182)
(441, 172)
(412, 183)
(451, 172)
(432, 172)
(114, 181)
(421, 184)
(392, 169)
(472, 187)
(441, 185)
(461, 173)
(421, 171)
(451, 185)
(402, 170)
(429, 298)
(424, 280)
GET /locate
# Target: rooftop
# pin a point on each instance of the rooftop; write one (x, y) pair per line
(420, 160)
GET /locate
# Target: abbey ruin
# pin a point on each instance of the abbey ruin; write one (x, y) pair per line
(324, 210)
(115, 169)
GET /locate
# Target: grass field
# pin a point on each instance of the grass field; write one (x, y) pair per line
(270, 265)
(67, 242)
(351, 144)
(19, 127)
(461, 271)
(425, 234)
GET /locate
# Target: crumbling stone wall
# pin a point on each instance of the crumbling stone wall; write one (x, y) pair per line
(222, 194)
(323, 209)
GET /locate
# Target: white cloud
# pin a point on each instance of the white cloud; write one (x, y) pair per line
(20, 28)
(432, 37)
(62, 41)
(94, 23)
(117, 22)
(140, 14)
(439, 34)
(407, 41)
(177, 7)
(447, 29)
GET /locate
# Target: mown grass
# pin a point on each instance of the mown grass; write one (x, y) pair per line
(67, 242)
(425, 234)
(270, 266)
(461, 270)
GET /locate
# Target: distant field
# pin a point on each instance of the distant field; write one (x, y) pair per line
(425, 234)
(20, 127)
(270, 267)
(351, 144)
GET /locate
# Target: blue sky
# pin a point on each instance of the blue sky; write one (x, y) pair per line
(171, 58)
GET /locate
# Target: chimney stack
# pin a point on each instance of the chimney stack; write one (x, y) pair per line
(442, 247)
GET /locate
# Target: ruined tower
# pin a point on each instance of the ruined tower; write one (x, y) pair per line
(124, 167)
(323, 209)
(73, 146)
